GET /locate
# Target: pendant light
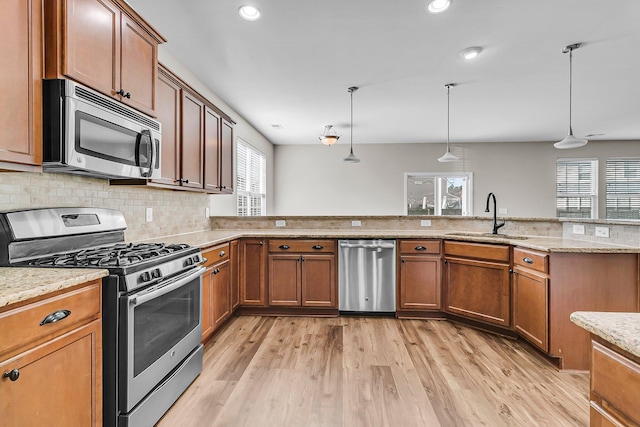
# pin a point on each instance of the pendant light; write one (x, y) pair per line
(351, 158)
(329, 135)
(448, 156)
(571, 141)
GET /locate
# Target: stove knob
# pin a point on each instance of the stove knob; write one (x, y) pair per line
(156, 274)
(145, 277)
(188, 262)
(196, 258)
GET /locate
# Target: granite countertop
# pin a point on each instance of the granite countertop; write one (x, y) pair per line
(208, 238)
(19, 284)
(620, 329)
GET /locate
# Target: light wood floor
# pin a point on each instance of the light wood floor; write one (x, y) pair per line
(369, 371)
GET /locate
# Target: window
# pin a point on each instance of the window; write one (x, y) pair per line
(623, 188)
(576, 188)
(438, 194)
(252, 181)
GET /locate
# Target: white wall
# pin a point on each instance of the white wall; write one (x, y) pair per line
(225, 205)
(313, 180)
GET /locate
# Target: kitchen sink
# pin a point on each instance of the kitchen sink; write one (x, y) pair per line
(489, 235)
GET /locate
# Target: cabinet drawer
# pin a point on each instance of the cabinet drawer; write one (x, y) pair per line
(420, 246)
(616, 380)
(309, 246)
(534, 260)
(477, 250)
(22, 326)
(216, 254)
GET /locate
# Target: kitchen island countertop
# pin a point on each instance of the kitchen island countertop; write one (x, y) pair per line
(619, 329)
(207, 238)
(19, 284)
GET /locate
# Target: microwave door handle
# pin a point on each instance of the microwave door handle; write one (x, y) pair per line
(146, 135)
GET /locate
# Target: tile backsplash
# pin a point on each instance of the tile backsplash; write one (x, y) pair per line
(174, 212)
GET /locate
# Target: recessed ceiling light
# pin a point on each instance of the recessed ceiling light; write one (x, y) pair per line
(277, 126)
(437, 6)
(471, 52)
(250, 13)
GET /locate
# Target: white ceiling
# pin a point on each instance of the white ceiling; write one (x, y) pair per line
(294, 65)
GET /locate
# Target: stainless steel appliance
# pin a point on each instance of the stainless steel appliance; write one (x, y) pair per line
(151, 302)
(87, 133)
(367, 276)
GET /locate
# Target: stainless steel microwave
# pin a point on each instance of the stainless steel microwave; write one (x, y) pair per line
(88, 133)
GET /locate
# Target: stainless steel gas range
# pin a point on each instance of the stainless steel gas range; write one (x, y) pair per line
(151, 302)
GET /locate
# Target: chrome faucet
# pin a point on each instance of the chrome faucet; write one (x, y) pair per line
(496, 226)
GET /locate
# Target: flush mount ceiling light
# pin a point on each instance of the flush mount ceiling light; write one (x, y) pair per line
(448, 156)
(250, 13)
(571, 141)
(351, 158)
(437, 6)
(471, 52)
(329, 135)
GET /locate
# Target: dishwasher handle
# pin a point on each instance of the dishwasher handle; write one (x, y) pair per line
(368, 245)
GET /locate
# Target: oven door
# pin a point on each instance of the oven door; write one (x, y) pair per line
(160, 327)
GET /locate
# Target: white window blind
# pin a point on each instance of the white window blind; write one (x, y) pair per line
(623, 188)
(576, 188)
(251, 177)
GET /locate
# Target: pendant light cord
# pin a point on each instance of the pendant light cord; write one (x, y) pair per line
(570, 87)
(448, 114)
(351, 127)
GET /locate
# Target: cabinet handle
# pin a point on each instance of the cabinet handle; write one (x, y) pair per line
(511, 271)
(446, 262)
(284, 247)
(262, 243)
(216, 271)
(302, 258)
(222, 253)
(122, 93)
(13, 375)
(183, 181)
(402, 260)
(204, 260)
(527, 260)
(420, 248)
(317, 247)
(55, 316)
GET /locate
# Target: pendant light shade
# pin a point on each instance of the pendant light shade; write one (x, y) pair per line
(448, 156)
(329, 135)
(570, 141)
(351, 158)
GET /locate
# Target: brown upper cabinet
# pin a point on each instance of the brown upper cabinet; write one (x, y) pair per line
(105, 45)
(218, 153)
(21, 86)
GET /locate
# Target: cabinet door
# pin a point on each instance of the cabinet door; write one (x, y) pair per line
(20, 85)
(192, 140)
(168, 112)
(59, 382)
(253, 260)
(211, 150)
(478, 290)
(226, 157)
(207, 305)
(420, 282)
(284, 280)
(234, 276)
(318, 281)
(138, 66)
(530, 311)
(221, 300)
(91, 44)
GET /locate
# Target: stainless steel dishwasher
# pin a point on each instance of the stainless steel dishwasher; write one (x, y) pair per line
(367, 276)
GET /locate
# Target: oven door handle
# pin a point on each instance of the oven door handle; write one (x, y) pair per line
(159, 290)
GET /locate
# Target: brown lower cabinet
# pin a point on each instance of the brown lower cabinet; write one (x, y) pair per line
(216, 289)
(52, 374)
(477, 282)
(305, 277)
(419, 275)
(253, 272)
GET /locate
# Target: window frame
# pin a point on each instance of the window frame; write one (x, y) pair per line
(619, 195)
(246, 194)
(593, 194)
(466, 202)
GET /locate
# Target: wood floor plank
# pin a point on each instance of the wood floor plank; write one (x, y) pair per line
(375, 371)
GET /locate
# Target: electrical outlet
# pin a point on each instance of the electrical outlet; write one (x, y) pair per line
(206, 212)
(281, 223)
(356, 223)
(578, 229)
(148, 214)
(602, 231)
(502, 211)
(425, 223)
